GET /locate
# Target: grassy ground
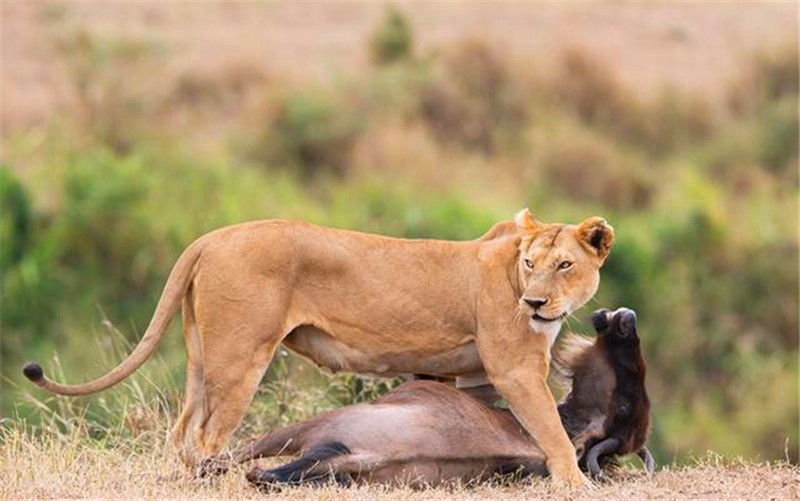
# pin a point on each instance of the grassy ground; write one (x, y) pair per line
(70, 466)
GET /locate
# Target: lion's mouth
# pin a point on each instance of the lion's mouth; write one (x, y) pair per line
(540, 318)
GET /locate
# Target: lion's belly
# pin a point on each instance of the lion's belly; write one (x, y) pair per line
(329, 352)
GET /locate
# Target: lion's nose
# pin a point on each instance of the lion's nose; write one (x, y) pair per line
(535, 303)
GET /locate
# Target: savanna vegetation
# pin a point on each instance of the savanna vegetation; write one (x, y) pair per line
(441, 143)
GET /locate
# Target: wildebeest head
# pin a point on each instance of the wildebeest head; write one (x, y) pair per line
(607, 411)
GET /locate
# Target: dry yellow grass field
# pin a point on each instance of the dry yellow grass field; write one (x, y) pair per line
(60, 468)
(66, 467)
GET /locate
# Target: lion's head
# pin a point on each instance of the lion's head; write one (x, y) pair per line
(559, 267)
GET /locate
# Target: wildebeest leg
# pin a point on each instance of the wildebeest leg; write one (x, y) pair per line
(284, 441)
(311, 468)
(647, 458)
(606, 446)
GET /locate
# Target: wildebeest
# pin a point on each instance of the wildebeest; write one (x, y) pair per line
(427, 432)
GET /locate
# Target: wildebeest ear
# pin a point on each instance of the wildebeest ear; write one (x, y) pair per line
(525, 222)
(598, 235)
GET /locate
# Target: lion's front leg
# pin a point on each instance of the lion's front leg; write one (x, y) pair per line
(517, 365)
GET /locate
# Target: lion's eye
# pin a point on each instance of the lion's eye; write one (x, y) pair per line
(565, 265)
(529, 264)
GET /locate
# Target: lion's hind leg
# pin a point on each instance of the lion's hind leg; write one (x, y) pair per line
(238, 337)
(192, 411)
(229, 389)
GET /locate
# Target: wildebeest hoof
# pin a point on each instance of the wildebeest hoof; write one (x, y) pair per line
(263, 479)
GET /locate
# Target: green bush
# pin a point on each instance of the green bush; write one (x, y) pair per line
(101, 226)
(15, 219)
(672, 121)
(778, 144)
(313, 131)
(587, 85)
(472, 99)
(28, 295)
(769, 77)
(588, 168)
(111, 83)
(393, 40)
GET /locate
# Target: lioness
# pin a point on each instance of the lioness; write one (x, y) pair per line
(371, 304)
(425, 433)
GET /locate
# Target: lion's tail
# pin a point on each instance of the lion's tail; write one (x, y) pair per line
(174, 290)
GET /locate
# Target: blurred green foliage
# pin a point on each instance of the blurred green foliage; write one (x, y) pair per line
(471, 98)
(311, 131)
(704, 205)
(393, 40)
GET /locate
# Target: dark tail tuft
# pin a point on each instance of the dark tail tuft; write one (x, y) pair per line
(33, 371)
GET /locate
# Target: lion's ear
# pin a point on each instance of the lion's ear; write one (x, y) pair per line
(525, 222)
(598, 235)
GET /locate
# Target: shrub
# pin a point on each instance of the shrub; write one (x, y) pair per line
(98, 222)
(778, 142)
(670, 122)
(587, 168)
(770, 305)
(588, 87)
(110, 83)
(383, 207)
(225, 88)
(769, 77)
(311, 130)
(99, 238)
(25, 285)
(393, 40)
(15, 219)
(472, 99)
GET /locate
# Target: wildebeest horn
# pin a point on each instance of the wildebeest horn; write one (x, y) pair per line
(604, 447)
(647, 458)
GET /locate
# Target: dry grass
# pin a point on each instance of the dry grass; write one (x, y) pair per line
(56, 465)
(697, 46)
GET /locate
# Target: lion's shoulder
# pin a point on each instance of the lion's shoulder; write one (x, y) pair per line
(500, 230)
